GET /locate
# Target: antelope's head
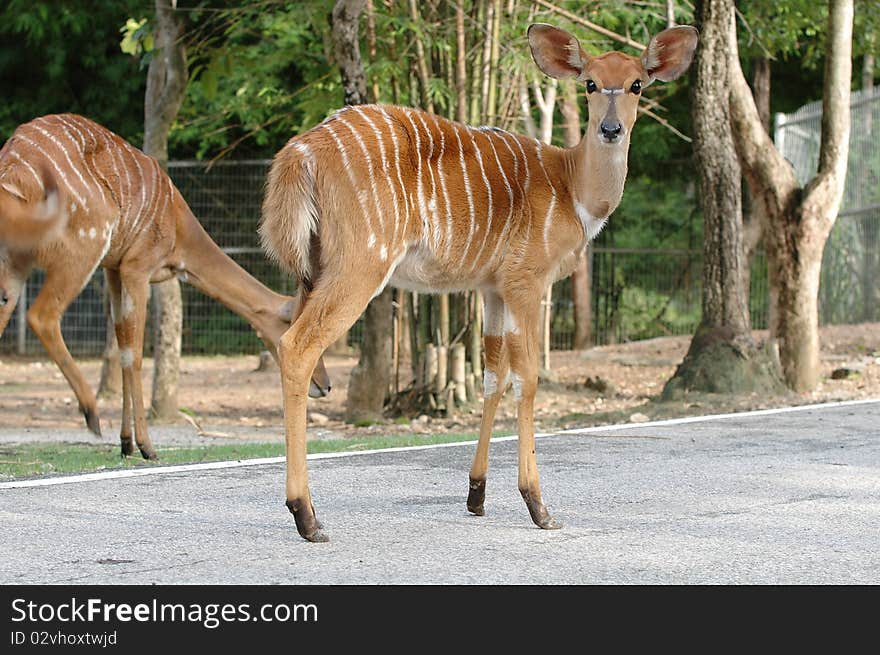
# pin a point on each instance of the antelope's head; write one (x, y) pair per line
(614, 81)
(25, 222)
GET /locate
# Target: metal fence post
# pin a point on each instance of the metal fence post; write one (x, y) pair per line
(21, 310)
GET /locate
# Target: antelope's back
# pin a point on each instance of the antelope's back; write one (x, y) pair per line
(403, 183)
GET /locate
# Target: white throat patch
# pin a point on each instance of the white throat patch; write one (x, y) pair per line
(592, 225)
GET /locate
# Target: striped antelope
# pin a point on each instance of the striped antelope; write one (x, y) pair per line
(377, 195)
(123, 213)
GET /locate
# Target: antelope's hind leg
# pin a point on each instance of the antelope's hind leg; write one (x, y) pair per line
(129, 291)
(328, 311)
(494, 383)
(114, 287)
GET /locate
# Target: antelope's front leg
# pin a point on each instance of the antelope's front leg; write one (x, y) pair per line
(523, 346)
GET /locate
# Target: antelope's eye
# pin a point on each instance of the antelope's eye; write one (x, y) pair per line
(591, 86)
(636, 86)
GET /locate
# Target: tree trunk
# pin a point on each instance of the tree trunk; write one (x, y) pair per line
(166, 85)
(421, 62)
(371, 378)
(799, 220)
(460, 65)
(722, 356)
(753, 219)
(346, 20)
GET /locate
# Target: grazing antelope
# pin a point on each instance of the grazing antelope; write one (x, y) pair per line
(122, 213)
(377, 195)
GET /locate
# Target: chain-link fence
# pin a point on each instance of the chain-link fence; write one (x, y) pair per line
(636, 293)
(849, 291)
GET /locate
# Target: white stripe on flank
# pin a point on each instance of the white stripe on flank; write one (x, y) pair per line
(525, 189)
(358, 192)
(137, 218)
(399, 175)
(470, 196)
(552, 206)
(117, 179)
(124, 202)
(444, 189)
(432, 202)
(528, 202)
(28, 166)
(66, 154)
(420, 191)
(58, 171)
(272, 461)
(385, 169)
(489, 208)
(506, 227)
(528, 183)
(164, 194)
(86, 165)
(383, 255)
(153, 202)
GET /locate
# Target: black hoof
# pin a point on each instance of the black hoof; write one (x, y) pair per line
(307, 524)
(127, 446)
(476, 497)
(538, 511)
(147, 452)
(93, 421)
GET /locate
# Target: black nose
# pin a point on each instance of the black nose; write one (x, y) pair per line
(3, 298)
(611, 130)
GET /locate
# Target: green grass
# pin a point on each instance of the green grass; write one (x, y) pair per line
(32, 460)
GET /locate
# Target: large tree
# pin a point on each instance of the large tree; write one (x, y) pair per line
(166, 86)
(722, 356)
(371, 378)
(798, 219)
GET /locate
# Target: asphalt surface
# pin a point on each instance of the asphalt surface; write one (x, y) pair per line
(789, 497)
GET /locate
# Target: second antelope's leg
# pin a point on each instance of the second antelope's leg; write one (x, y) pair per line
(521, 337)
(114, 286)
(130, 320)
(494, 382)
(44, 318)
(328, 311)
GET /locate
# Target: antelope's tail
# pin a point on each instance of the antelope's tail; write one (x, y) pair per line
(290, 212)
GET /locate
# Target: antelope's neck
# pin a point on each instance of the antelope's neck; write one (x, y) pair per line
(201, 262)
(598, 173)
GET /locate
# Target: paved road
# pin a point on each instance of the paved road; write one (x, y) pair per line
(771, 498)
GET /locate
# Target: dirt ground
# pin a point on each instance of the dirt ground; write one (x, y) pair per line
(223, 393)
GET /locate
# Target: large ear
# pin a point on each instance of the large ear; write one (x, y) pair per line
(669, 54)
(556, 52)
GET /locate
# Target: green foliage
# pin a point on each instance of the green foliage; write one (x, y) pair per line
(137, 37)
(656, 213)
(65, 57)
(646, 313)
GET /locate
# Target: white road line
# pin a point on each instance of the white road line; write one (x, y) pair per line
(263, 461)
